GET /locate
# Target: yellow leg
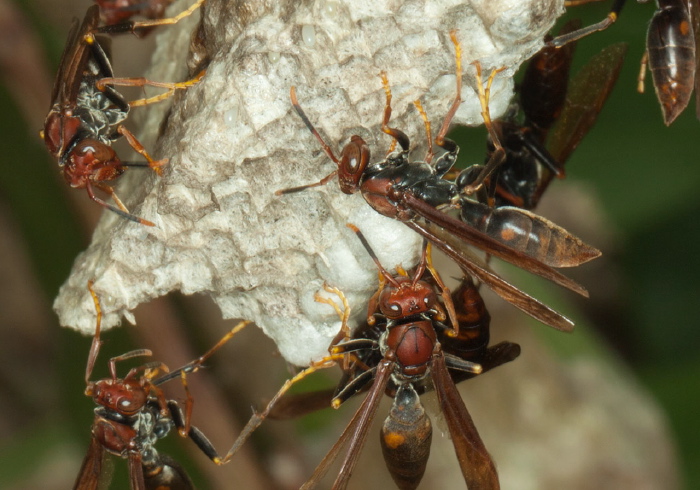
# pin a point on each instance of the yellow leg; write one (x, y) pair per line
(144, 82)
(440, 138)
(426, 122)
(343, 314)
(444, 292)
(170, 20)
(258, 418)
(372, 304)
(397, 135)
(139, 148)
(643, 73)
(499, 154)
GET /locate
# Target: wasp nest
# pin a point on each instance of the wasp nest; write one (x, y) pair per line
(234, 139)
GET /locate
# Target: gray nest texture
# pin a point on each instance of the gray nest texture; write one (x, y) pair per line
(234, 139)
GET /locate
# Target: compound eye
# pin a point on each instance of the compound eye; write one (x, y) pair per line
(355, 156)
(125, 404)
(86, 146)
(85, 150)
(351, 158)
(352, 165)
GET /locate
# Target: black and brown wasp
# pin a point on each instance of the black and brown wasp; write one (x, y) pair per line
(671, 51)
(416, 194)
(87, 113)
(132, 414)
(556, 114)
(405, 348)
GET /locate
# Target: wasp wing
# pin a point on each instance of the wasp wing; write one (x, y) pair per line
(475, 462)
(355, 433)
(91, 469)
(136, 479)
(440, 224)
(588, 91)
(74, 59)
(455, 249)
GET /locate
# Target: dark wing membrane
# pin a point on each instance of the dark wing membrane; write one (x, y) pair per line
(498, 285)
(474, 460)
(74, 59)
(136, 471)
(587, 93)
(355, 433)
(439, 224)
(69, 53)
(91, 469)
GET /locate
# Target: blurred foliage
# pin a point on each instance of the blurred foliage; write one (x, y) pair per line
(645, 174)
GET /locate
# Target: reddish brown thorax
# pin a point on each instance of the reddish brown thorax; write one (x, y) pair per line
(115, 437)
(376, 191)
(413, 344)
